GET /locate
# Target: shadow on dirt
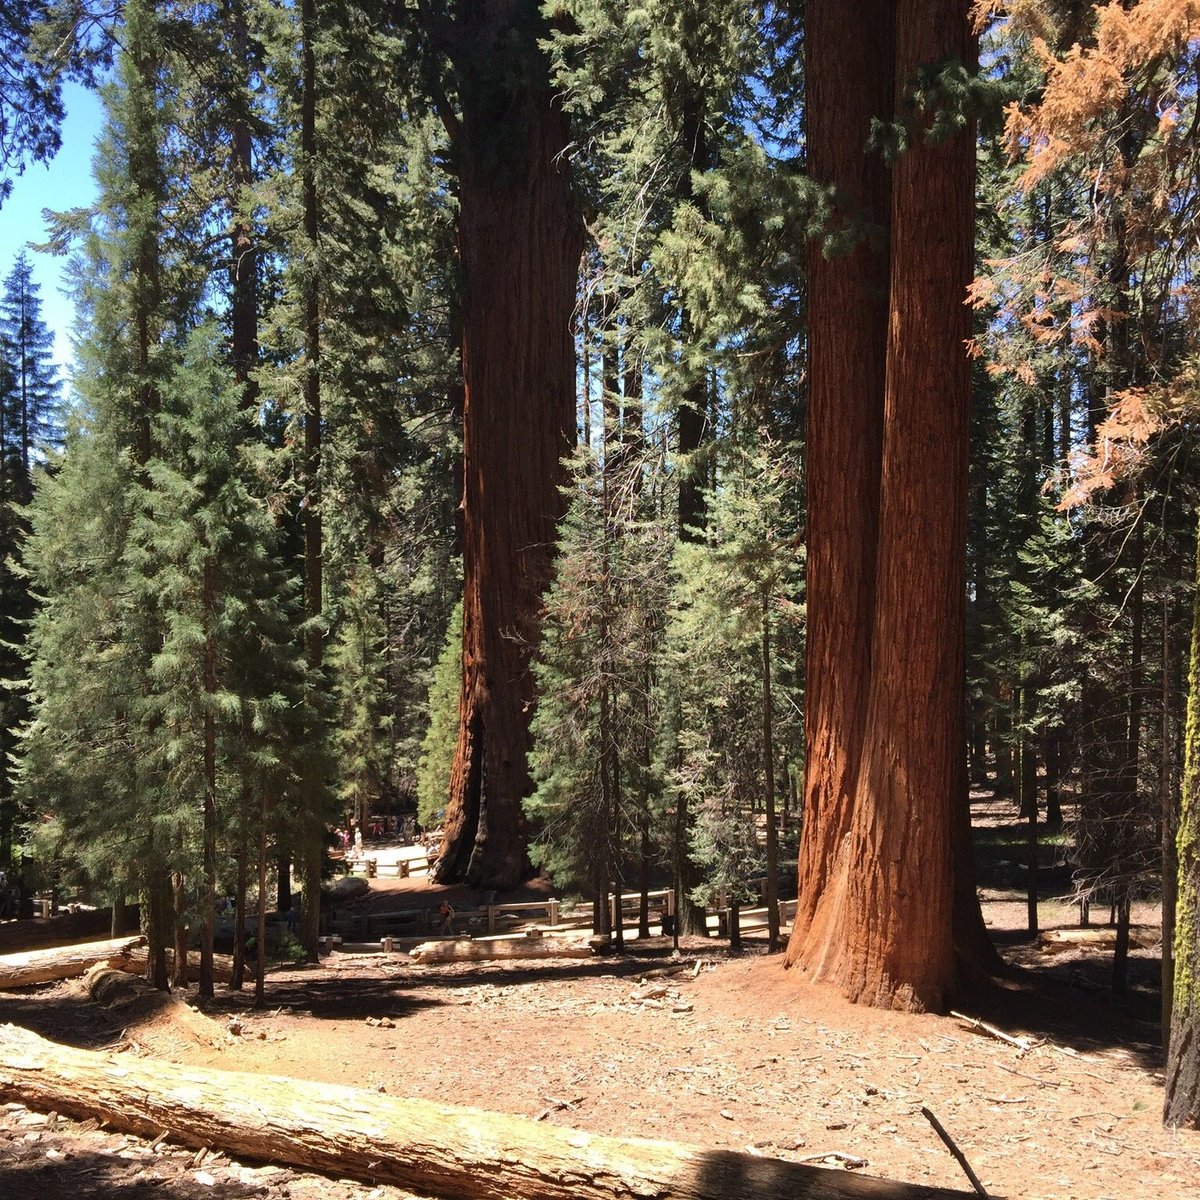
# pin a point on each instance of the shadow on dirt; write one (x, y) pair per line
(63, 1013)
(27, 1174)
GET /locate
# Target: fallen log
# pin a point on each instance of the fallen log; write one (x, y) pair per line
(1055, 941)
(349, 887)
(63, 962)
(437, 1150)
(222, 964)
(145, 1008)
(489, 949)
(39, 933)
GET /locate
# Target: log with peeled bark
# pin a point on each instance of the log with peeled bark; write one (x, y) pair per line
(144, 1008)
(437, 1150)
(487, 949)
(1056, 941)
(65, 962)
(222, 964)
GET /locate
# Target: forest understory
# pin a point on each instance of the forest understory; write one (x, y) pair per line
(650, 1045)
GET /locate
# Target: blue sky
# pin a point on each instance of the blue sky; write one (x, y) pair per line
(66, 182)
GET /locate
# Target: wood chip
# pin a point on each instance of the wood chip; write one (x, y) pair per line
(850, 1161)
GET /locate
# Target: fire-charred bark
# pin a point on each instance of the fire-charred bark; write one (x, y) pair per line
(520, 239)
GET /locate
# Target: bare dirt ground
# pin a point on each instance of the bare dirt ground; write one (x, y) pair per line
(725, 1052)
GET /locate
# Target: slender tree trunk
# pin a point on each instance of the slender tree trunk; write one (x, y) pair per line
(693, 427)
(260, 928)
(1053, 755)
(1002, 750)
(312, 833)
(208, 899)
(772, 897)
(243, 266)
(239, 920)
(1031, 883)
(1168, 798)
(1182, 1102)
(690, 916)
(1120, 970)
(147, 182)
(1130, 774)
(283, 882)
(606, 850)
(585, 396)
(1029, 810)
(520, 240)
(644, 852)
(849, 68)
(179, 928)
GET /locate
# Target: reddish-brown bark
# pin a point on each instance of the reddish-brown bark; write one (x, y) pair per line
(849, 75)
(520, 240)
(880, 864)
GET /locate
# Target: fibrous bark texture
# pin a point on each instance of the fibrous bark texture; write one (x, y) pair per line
(849, 77)
(1182, 1102)
(886, 769)
(520, 240)
(437, 1150)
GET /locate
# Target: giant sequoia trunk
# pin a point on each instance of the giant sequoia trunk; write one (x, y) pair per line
(880, 864)
(849, 68)
(520, 239)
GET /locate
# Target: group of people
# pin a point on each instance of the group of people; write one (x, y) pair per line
(350, 836)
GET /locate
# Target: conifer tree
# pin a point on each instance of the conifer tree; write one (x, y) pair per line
(32, 399)
(29, 425)
(227, 676)
(136, 297)
(887, 523)
(735, 618)
(595, 801)
(357, 664)
(437, 747)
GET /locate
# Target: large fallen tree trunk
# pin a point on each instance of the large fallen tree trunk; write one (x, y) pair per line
(65, 962)
(440, 1150)
(1056, 941)
(487, 949)
(145, 1008)
(37, 933)
(222, 964)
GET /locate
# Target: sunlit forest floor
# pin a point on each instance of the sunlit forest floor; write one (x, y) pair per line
(728, 1052)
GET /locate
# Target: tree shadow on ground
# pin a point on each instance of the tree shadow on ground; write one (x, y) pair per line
(413, 987)
(325, 999)
(32, 1176)
(1041, 1001)
(62, 1013)
(724, 1173)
